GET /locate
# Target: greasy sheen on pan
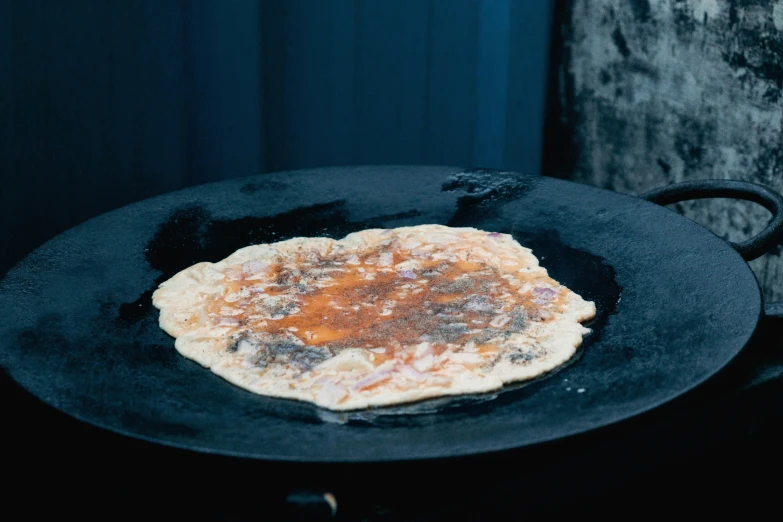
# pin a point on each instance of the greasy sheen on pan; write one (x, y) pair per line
(378, 318)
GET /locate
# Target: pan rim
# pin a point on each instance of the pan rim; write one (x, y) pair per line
(485, 449)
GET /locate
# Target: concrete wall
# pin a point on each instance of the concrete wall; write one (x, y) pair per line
(652, 92)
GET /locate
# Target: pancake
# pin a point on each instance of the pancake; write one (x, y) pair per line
(381, 317)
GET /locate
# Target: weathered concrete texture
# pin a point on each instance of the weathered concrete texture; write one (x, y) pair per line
(654, 92)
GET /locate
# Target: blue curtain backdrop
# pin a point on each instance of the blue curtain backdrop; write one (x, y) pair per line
(103, 102)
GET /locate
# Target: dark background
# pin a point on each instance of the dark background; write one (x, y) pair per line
(105, 102)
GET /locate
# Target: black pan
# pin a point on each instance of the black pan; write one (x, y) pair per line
(675, 305)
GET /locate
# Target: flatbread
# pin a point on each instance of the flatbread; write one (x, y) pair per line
(378, 318)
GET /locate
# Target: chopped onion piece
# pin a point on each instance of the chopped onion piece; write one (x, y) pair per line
(256, 266)
(246, 347)
(499, 321)
(543, 295)
(424, 363)
(387, 366)
(438, 380)
(373, 380)
(423, 349)
(331, 394)
(466, 358)
(411, 373)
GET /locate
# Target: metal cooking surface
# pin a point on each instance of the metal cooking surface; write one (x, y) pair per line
(675, 304)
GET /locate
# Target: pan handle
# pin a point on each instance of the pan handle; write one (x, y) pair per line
(720, 188)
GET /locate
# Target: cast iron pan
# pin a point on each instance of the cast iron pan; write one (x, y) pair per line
(675, 304)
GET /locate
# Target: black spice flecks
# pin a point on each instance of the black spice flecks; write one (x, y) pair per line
(280, 349)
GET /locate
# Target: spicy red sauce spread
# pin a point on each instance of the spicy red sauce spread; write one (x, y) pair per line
(368, 301)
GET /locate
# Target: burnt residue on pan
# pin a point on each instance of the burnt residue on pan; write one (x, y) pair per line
(484, 192)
